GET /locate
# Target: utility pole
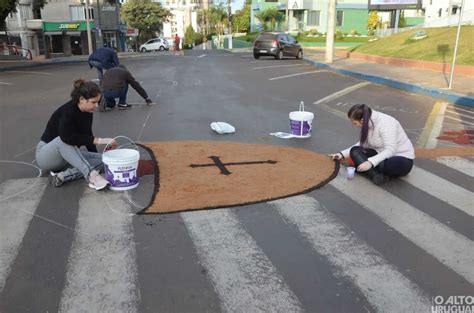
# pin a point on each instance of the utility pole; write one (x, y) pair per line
(229, 20)
(456, 46)
(329, 57)
(88, 26)
(287, 16)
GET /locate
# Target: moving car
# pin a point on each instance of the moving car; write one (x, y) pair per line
(160, 44)
(276, 44)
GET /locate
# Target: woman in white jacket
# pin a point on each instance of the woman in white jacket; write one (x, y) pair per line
(383, 149)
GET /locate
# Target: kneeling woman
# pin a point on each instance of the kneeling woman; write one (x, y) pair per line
(383, 149)
(69, 128)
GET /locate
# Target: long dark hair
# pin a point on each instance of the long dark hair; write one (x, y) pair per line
(362, 112)
(86, 89)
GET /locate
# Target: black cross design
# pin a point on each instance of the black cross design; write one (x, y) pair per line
(222, 166)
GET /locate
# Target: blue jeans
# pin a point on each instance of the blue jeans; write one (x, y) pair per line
(74, 163)
(100, 68)
(110, 96)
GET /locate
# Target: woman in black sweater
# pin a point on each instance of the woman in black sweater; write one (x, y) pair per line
(69, 128)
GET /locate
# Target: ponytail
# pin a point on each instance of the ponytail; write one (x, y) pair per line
(361, 112)
(86, 89)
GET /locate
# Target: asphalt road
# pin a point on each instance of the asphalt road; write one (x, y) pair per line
(347, 247)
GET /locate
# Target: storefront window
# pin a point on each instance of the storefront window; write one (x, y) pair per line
(110, 39)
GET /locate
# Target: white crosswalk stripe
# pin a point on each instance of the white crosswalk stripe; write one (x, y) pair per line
(102, 273)
(243, 276)
(13, 220)
(449, 247)
(442, 189)
(460, 164)
(386, 288)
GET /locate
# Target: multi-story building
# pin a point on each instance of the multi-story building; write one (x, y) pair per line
(18, 31)
(60, 28)
(183, 13)
(309, 14)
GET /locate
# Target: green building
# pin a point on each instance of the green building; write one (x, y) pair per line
(305, 15)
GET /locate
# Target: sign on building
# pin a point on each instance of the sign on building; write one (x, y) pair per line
(295, 4)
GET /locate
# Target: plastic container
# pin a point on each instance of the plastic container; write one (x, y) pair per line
(301, 122)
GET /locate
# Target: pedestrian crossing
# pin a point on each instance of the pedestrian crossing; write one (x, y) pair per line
(104, 268)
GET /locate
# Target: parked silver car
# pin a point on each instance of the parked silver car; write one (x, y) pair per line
(154, 44)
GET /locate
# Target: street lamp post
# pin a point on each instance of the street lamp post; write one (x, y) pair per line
(88, 27)
(456, 45)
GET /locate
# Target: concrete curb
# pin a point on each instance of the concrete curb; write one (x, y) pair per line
(66, 60)
(426, 91)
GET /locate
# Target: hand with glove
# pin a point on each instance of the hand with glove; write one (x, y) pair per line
(364, 166)
(148, 101)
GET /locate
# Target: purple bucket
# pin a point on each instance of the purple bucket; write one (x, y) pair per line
(121, 168)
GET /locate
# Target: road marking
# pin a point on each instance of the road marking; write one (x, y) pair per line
(459, 109)
(459, 114)
(299, 74)
(449, 247)
(442, 189)
(243, 276)
(202, 56)
(458, 163)
(31, 72)
(273, 66)
(353, 258)
(13, 223)
(3, 83)
(102, 273)
(458, 120)
(341, 93)
(432, 127)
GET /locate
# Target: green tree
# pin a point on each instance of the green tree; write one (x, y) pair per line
(372, 22)
(213, 19)
(241, 19)
(146, 16)
(188, 37)
(402, 22)
(271, 15)
(9, 6)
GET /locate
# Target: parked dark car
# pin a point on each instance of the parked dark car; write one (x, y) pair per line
(277, 45)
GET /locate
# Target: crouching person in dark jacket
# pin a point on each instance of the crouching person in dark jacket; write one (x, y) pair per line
(115, 85)
(103, 59)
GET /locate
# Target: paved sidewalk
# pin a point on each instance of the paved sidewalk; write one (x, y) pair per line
(430, 83)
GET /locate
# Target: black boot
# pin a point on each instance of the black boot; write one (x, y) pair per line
(359, 157)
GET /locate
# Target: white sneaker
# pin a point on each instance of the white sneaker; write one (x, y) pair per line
(96, 181)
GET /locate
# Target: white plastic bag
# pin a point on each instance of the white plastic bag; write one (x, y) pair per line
(222, 128)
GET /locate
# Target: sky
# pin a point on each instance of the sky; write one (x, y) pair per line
(237, 5)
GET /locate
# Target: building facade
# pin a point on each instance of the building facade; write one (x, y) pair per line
(60, 28)
(304, 15)
(183, 13)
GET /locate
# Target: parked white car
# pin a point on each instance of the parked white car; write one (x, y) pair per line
(160, 44)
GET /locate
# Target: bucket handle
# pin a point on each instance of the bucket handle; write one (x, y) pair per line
(302, 106)
(124, 137)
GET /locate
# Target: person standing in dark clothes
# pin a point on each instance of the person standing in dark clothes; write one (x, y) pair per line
(69, 128)
(103, 59)
(115, 85)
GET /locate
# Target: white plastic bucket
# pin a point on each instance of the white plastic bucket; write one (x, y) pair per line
(301, 122)
(121, 168)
